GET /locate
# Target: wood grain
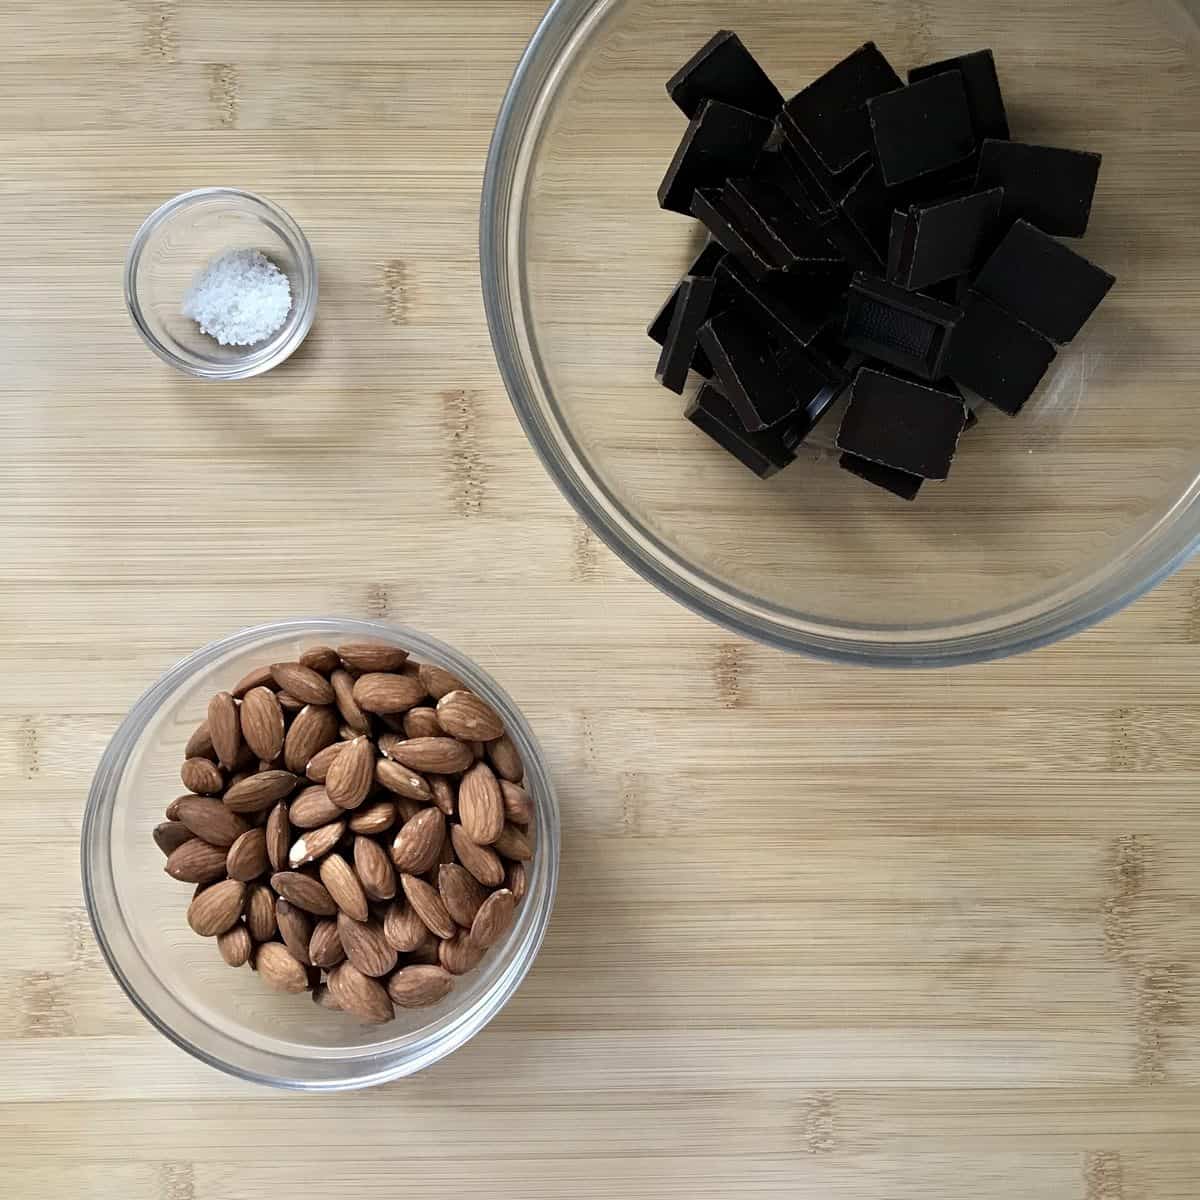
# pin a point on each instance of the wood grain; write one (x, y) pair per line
(822, 933)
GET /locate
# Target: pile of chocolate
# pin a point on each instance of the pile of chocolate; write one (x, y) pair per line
(869, 239)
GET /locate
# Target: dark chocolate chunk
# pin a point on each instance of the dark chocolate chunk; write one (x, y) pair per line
(997, 356)
(902, 424)
(772, 303)
(823, 188)
(770, 218)
(1043, 283)
(922, 128)
(720, 141)
(984, 97)
(723, 69)
(1047, 186)
(899, 483)
(704, 265)
(708, 204)
(942, 241)
(764, 453)
(691, 311)
(905, 329)
(867, 209)
(830, 115)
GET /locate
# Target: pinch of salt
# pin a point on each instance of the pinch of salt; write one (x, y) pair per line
(240, 298)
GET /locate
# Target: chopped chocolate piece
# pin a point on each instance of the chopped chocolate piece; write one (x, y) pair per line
(996, 356)
(984, 97)
(867, 209)
(720, 141)
(691, 311)
(899, 483)
(723, 69)
(1050, 187)
(942, 241)
(1043, 283)
(902, 424)
(764, 453)
(905, 329)
(705, 264)
(922, 128)
(771, 302)
(709, 205)
(829, 114)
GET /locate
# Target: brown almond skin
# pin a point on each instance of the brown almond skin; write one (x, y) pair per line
(416, 847)
(314, 727)
(343, 693)
(279, 836)
(516, 879)
(428, 953)
(438, 681)
(343, 886)
(420, 986)
(217, 908)
(280, 969)
(365, 946)
(289, 703)
(368, 657)
(256, 677)
(324, 997)
(359, 994)
(445, 793)
(325, 946)
(321, 659)
(312, 808)
(352, 774)
(422, 722)
(260, 912)
(201, 776)
(225, 729)
(211, 820)
(235, 946)
(376, 817)
(257, 793)
(172, 809)
(467, 716)
(170, 835)
(428, 906)
(304, 683)
(318, 766)
(401, 781)
(247, 858)
(518, 804)
(313, 844)
(461, 893)
(459, 954)
(304, 892)
(295, 927)
(482, 861)
(383, 692)
(402, 928)
(262, 723)
(442, 756)
(505, 759)
(512, 843)
(200, 744)
(493, 918)
(374, 869)
(481, 805)
(196, 862)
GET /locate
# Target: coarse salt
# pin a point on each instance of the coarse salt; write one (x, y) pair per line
(240, 298)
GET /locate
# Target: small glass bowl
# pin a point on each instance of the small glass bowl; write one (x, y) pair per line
(228, 1018)
(177, 241)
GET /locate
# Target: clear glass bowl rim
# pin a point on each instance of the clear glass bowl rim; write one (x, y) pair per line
(287, 1071)
(257, 362)
(1045, 617)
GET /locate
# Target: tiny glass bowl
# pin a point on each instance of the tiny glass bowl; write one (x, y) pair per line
(177, 241)
(229, 1018)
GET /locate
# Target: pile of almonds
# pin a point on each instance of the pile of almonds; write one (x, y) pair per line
(355, 826)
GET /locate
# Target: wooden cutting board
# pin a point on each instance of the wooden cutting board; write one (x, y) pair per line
(821, 933)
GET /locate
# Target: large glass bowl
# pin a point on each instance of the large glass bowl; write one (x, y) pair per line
(1050, 521)
(228, 1018)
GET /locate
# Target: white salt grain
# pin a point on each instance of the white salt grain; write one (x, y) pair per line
(240, 298)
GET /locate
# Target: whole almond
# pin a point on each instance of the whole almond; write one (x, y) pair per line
(461, 893)
(260, 792)
(512, 843)
(295, 927)
(351, 774)
(404, 930)
(196, 862)
(441, 755)
(318, 766)
(260, 912)
(235, 946)
(359, 994)
(459, 954)
(211, 820)
(321, 659)
(217, 908)
(201, 776)
(365, 945)
(343, 692)
(279, 836)
(415, 848)
(315, 727)
(200, 744)
(280, 969)
(493, 918)
(302, 682)
(438, 682)
(367, 657)
(480, 804)
(304, 892)
(312, 808)
(445, 793)
(464, 715)
(170, 835)
(428, 905)
(374, 869)
(401, 781)
(247, 858)
(343, 886)
(383, 692)
(325, 947)
(224, 728)
(262, 723)
(505, 759)
(256, 677)
(419, 987)
(482, 861)
(518, 804)
(315, 843)
(516, 880)
(376, 817)
(422, 722)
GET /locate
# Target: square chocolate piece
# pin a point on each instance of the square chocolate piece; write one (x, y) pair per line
(691, 311)
(997, 356)
(1047, 186)
(902, 424)
(771, 303)
(830, 113)
(723, 69)
(984, 98)
(764, 453)
(899, 483)
(905, 329)
(720, 141)
(922, 128)
(1043, 283)
(943, 241)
